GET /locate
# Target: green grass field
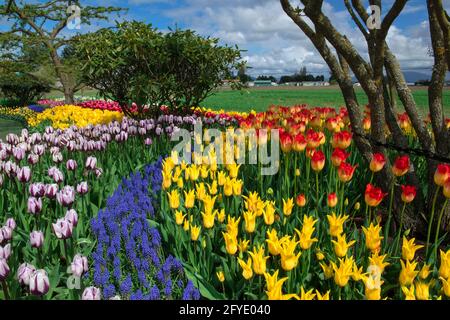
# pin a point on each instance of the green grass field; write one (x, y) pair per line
(260, 99)
(9, 126)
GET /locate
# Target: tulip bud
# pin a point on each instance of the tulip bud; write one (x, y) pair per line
(24, 174)
(82, 188)
(5, 251)
(332, 200)
(98, 172)
(39, 283)
(66, 196)
(71, 165)
(62, 228)
(301, 200)
(5, 234)
(79, 265)
(11, 223)
(91, 293)
(148, 141)
(36, 239)
(34, 205)
(4, 269)
(24, 273)
(72, 216)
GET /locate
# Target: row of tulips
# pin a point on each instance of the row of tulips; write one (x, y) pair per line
(239, 236)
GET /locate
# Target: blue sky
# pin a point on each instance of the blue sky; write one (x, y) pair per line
(273, 42)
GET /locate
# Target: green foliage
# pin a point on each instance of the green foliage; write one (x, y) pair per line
(134, 62)
(20, 89)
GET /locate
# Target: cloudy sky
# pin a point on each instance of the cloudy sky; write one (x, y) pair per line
(274, 44)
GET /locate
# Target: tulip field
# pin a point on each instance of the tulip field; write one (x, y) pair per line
(95, 205)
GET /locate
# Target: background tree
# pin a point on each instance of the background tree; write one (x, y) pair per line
(342, 57)
(42, 24)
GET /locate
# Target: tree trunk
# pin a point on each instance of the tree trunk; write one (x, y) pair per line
(65, 79)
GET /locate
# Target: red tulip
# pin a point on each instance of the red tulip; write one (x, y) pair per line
(408, 193)
(286, 142)
(373, 195)
(442, 174)
(401, 166)
(301, 200)
(318, 161)
(378, 162)
(332, 200)
(338, 156)
(345, 172)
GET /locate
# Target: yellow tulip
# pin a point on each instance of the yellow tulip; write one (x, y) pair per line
(233, 170)
(358, 273)
(167, 181)
(409, 249)
(179, 217)
(204, 171)
(243, 245)
(376, 260)
(189, 199)
(232, 226)
(194, 172)
(208, 219)
(288, 205)
(373, 287)
(213, 188)
(273, 242)
(409, 293)
(174, 199)
(269, 213)
(221, 178)
(445, 286)
(180, 183)
(305, 235)
(228, 187)
(408, 273)
(325, 296)
(425, 271)
(341, 246)
(220, 276)
(328, 270)
(319, 255)
(200, 191)
(306, 295)
(247, 271)
(195, 233)
(259, 260)
(289, 260)
(186, 225)
(230, 243)
(250, 221)
(444, 269)
(276, 292)
(271, 280)
(336, 224)
(373, 238)
(422, 290)
(221, 216)
(343, 272)
(237, 187)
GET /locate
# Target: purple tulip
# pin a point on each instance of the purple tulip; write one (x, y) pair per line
(72, 217)
(91, 163)
(5, 251)
(51, 190)
(11, 223)
(3, 155)
(24, 273)
(71, 165)
(4, 269)
(66, 196)
(62, 228)
(57, 157)
(39, 283)
(39, 149)
(36, 239)
(148, 141)
(12, 138)
(24, 174)
(58, 176)
(82, 188)
(79, 265)
(34, 205)
(10, 169)
(98, 172)
(91, 293)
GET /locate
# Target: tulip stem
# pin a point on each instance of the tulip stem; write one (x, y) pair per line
(388, 223)
(430, 222)
(401, 227)
(317, 187)
(439, 227)
(5, 289)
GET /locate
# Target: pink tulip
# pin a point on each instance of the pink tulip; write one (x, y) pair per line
(51, 190)
(58, 176)
(71, 165)
(62, 228)
(11, 223)
(3, 155)
(6, 234)
(36, 239)
(5, 251)
(10, 169)
(24, 174)
(34, 205)
(39, 149)
(18, 153)
(66, 196)
(4, 269)
(39, 283)
(82, 188)
(72, 217)
(98, 172)
(148, 141)
(79, 265)
(32, 159)
(91, 163)
(57, 157)
(24, 273)
(91, 293)
(37, 189)
(12, 138)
